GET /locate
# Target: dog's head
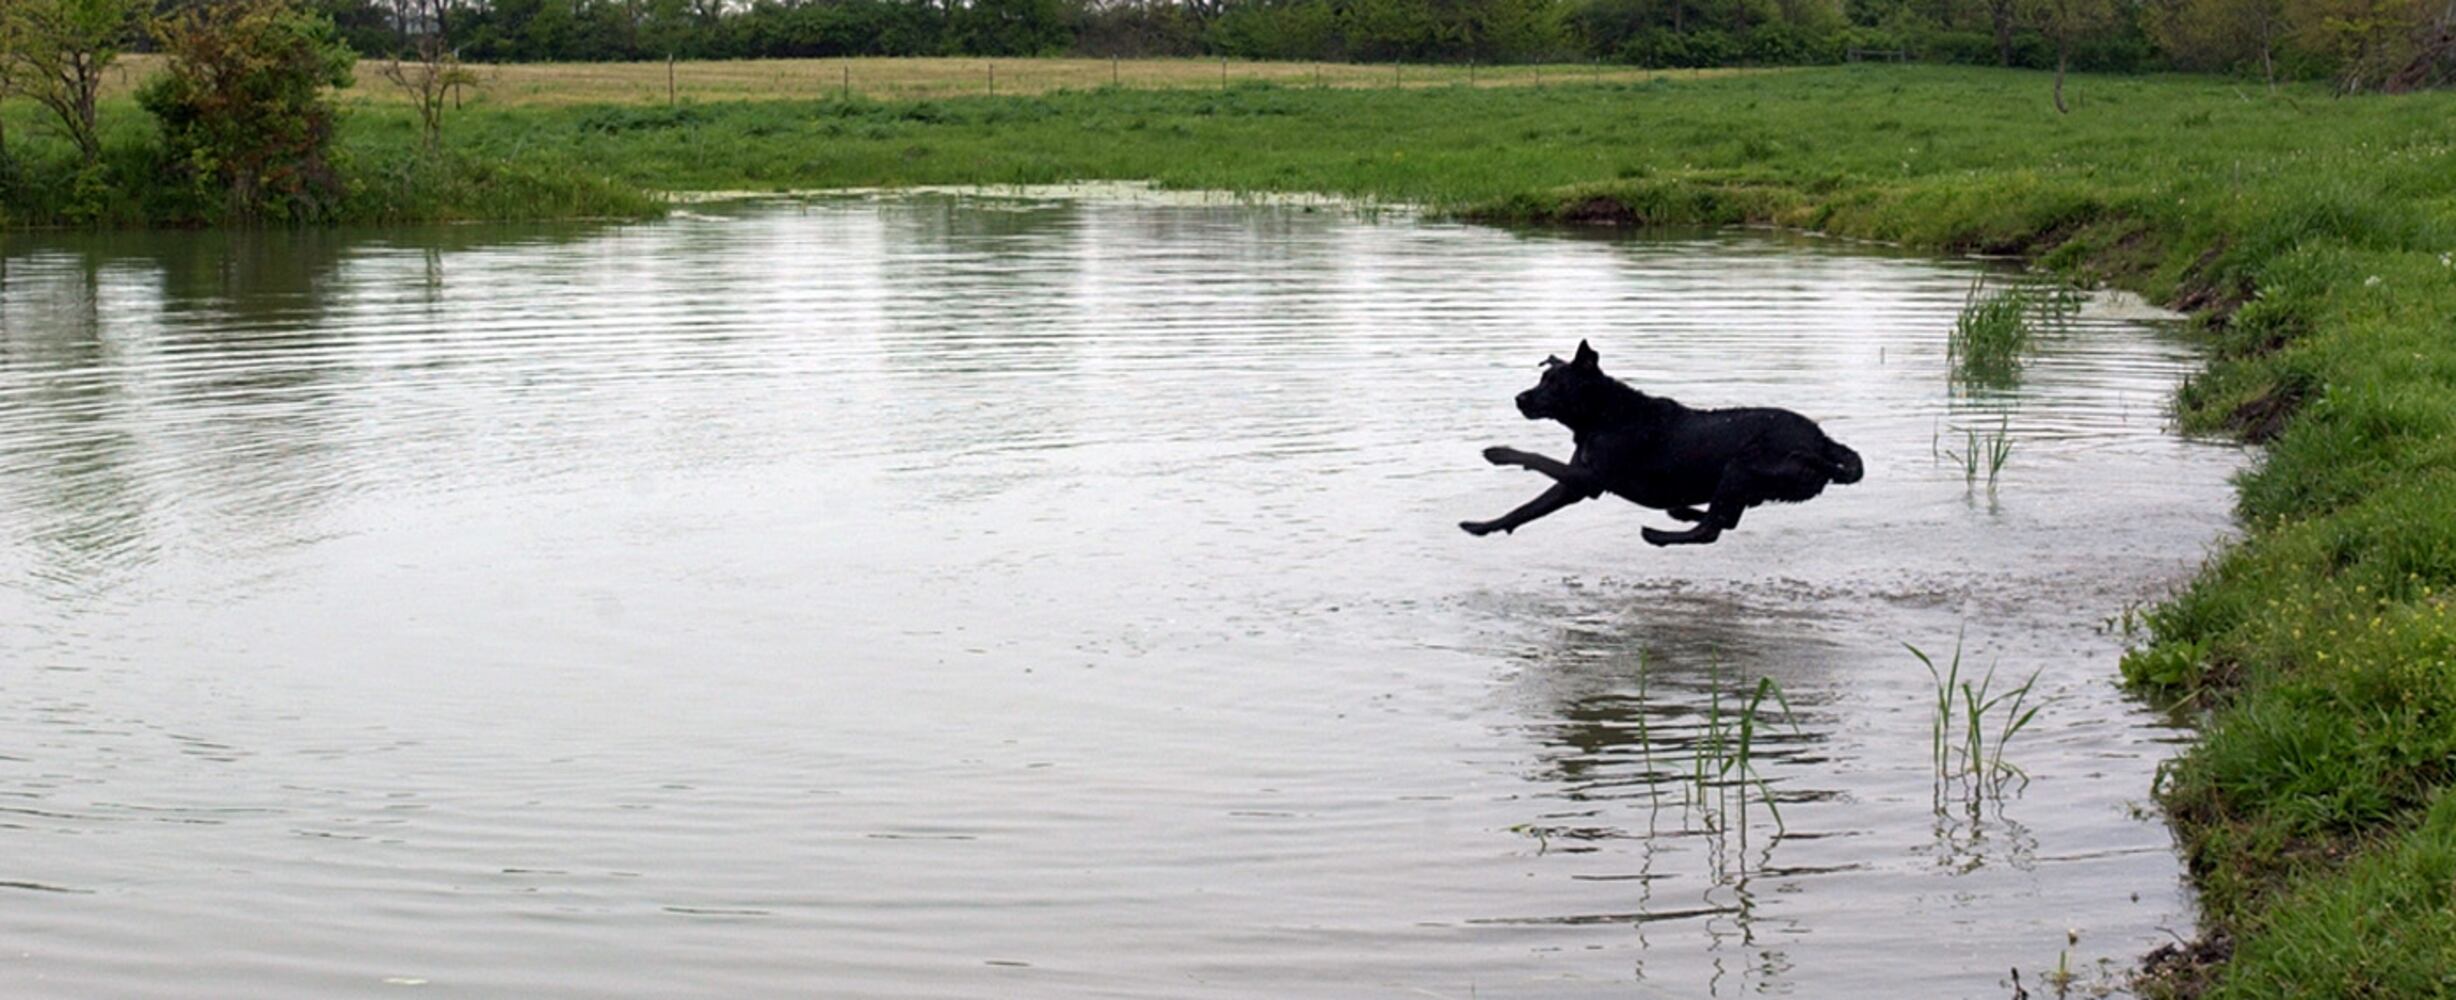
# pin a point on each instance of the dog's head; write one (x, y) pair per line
(1568, 390)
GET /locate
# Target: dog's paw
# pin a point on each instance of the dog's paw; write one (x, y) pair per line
(1477, 528)
(1501, 455)
(1701, 535)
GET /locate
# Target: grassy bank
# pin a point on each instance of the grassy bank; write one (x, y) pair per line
(2313, 235)
(389, 181)
(557, 140)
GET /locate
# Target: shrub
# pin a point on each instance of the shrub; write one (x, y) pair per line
(245, 120)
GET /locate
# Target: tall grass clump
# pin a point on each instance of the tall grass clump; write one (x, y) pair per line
(1991, 336)
(1723, 764)
(1981, 452)
(1973, 722)
(455, 187)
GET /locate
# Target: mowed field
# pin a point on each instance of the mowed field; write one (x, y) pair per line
(553, 84)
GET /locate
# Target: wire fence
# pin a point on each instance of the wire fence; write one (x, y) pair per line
(675, 81)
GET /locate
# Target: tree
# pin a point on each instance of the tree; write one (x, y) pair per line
(2000, 14)
(434, 70)
(2220, 34)
(2369, 39)
(7, 89)
(2434, 55)
(2064, 22)
(54, 51)
(1007, 27)
(428, 78)
(1513, 30)
(243, 107)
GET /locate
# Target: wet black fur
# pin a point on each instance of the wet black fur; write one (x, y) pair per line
(1657, 453)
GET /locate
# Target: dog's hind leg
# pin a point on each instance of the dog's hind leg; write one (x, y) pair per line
(1733, 495)
(1559, 496)
(1707, 530)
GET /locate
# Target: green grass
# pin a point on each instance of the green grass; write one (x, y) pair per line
(1990, 338)
(2313, 236)
(1723, 761)
(1973, 722)
(1986, 452)
(389, 181)
(2384, 927)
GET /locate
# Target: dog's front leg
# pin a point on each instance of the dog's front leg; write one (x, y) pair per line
(1502, 454)
(1560, 495)
(1562, 472)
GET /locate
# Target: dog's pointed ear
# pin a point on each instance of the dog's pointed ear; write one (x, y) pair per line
(1586, 356)
(1553, 361)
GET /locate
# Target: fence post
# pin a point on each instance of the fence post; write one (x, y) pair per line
(847, 92)
(993, 79)
(669, 79)
(1223, 72)
(1113, 70)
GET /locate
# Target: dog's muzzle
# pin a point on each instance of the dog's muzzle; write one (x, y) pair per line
(1532, 405)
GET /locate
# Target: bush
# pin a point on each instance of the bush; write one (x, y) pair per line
(245, 122)
(1976, 48)
(1662, 48)
(1136, 28)
(1301, 29)
(1790, 45)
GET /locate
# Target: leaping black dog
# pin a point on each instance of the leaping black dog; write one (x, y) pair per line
(1657, 453)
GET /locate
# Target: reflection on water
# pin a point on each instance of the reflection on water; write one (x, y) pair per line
(943, 596)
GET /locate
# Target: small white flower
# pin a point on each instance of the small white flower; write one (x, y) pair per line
(2447, 260)
(2371, 282)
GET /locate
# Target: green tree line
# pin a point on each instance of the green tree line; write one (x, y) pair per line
(2363, 44)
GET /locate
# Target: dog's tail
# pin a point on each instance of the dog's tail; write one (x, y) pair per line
(1842, 464)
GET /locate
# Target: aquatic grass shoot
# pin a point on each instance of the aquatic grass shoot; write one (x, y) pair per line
(1743, 763)
(1726, 754)
(1974, 722)
(1999, 450)
(1715, 762)
(1991, 335)
(1980, 452)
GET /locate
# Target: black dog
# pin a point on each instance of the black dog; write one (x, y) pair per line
(1657, 453)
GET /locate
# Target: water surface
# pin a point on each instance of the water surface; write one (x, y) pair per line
(939, 596)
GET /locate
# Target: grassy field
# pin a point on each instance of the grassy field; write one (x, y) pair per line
(2315, 237)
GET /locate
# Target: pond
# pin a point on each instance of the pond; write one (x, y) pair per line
(942, 595)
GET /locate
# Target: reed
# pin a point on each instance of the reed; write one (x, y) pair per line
(1991, 335)
(1725, 781)
(1980, 452)
(1973, 722)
